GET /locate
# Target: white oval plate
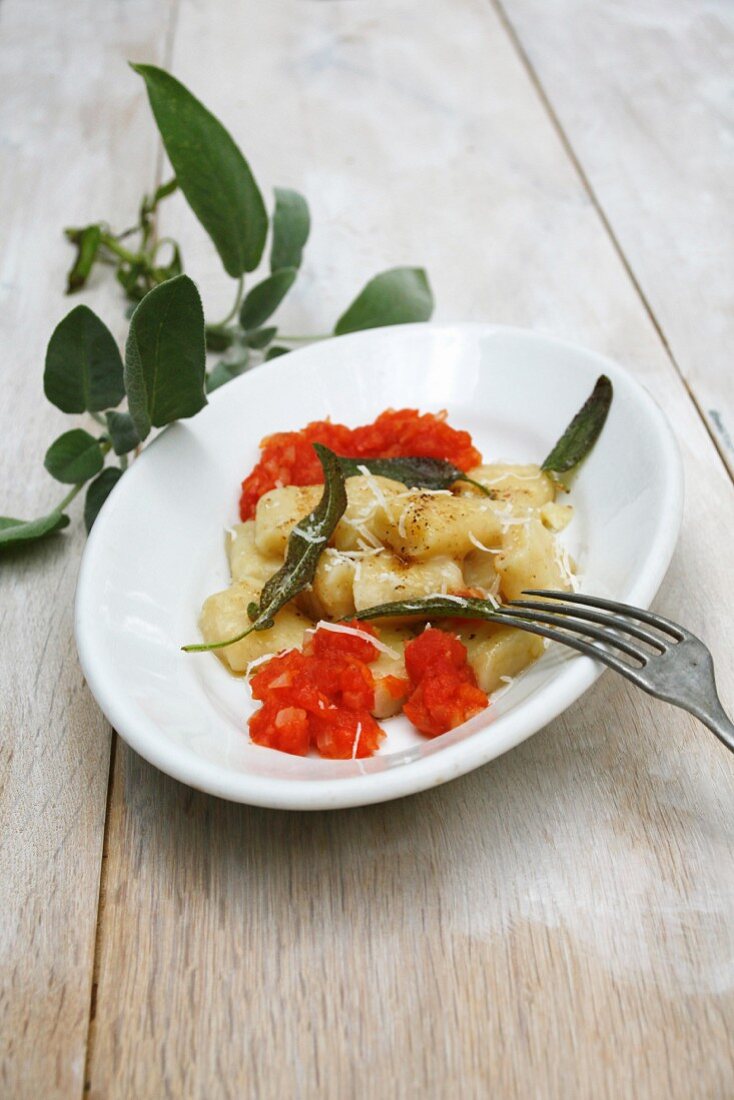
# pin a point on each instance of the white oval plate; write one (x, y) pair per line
(157, 548)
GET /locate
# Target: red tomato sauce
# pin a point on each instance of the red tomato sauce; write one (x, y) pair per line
(321, 697)
(288, 458)
(445, 691)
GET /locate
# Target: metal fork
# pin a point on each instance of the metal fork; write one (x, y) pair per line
(671, 663)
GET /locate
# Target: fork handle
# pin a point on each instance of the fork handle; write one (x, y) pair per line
(717, 720)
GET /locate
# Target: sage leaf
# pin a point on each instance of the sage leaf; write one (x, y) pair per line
(83, 371)
(97, 494)
(583, 431)
(75, 456)
(416, 473)
(87, 243)
(259, 338)
(263, 300)
(122, 433)
(291, 225)
(219, 337)
(28, 530)
(210, 170)
(174, 267)
(226, 370)
(306, 543)
(275, 352)
(436, 607)
(165, 356)
(394, 297)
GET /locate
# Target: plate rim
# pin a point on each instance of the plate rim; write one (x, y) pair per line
(576, 676)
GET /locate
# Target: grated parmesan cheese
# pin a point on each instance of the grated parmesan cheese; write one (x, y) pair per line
(262, 660)
(376, 491)
(355, 746)
(480, 545)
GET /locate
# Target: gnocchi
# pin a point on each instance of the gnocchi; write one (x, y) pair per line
(394, 543)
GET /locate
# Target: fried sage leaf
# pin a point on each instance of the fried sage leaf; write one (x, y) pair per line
(583, 431)
(307, 541)
(416, 473)
(435, 607)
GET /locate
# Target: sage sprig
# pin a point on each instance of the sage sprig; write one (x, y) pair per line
(306, 543)
(417, 473)
(163, 375)
(218, 184)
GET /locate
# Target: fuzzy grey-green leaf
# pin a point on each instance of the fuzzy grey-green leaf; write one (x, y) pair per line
(291, 225)
(394, 297)
(14, 531)
(97, 494)
(122, 433)
(74, 457)
(264, 298)
(165, 356)
(83, 371)
(210, 170)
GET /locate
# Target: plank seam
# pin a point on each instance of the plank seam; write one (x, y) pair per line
(615, 242)
(101, 899)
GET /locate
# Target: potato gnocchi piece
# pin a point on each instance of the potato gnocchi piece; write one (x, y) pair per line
(479, 571)
(497, 651)
(224, 615)
(529, 558)
(245, 560)
(384, 578)
(386, 704)
(556, 517)
(429, 525)
(278, 512)
(331, 595)
(368, 509)
(522, 487)
(370, 506)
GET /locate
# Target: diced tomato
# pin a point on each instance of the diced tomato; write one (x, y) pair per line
(445, 691)
(288, 458)
(337, 643)
(284, 728)
(321, 697)
(341, 734)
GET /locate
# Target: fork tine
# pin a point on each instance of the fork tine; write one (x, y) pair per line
(649, 617)
(552, 619)
(604, 617)
(587, 648)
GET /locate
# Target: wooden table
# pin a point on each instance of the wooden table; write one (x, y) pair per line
(557, 924)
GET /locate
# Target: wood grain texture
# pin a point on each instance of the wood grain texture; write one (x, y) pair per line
(72, 148)
(644, 94)
(558, 924)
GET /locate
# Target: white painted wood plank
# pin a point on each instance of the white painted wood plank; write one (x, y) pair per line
(644, 92)
(72, 148)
